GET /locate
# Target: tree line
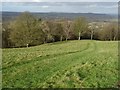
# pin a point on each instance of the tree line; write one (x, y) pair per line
(27, 30)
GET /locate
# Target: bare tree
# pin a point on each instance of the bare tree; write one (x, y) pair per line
(92, 27)
(109, 32)
(80, 25)
(67, 28)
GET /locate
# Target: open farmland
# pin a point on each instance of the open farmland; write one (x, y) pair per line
(62, 64)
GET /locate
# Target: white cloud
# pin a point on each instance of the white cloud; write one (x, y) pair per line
(110, 7)
(114, 6)
(44, 6)
(94, 5)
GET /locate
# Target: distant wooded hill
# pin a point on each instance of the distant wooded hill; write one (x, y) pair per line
(53, 15)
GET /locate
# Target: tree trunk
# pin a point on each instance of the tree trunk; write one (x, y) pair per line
(53, 39)
(79, 36)
(61, 38)
(114, 38)
(110, 39)
(45, 40)
(66, 39)
(91, 35)
(27, 45)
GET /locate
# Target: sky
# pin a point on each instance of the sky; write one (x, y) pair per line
(59, 0)
(78, 6)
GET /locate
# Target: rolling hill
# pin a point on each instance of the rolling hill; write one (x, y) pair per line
(62, 65)
(53, 15)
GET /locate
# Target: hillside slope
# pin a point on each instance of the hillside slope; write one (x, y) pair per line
(62, 64)
(6, 16)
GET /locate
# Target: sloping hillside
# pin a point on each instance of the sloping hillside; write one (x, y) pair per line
(63, 64)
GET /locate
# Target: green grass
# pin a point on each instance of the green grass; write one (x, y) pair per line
(63, 64)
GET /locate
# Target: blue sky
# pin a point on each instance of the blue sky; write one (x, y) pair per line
(74, 7)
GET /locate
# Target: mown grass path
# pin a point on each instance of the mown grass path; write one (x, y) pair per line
(63, 64)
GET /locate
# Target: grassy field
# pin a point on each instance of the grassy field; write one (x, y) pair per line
(63, 64)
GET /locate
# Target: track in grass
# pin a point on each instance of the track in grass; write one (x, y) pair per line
(64, 64)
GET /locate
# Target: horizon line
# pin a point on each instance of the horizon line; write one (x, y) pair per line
(60, 12)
